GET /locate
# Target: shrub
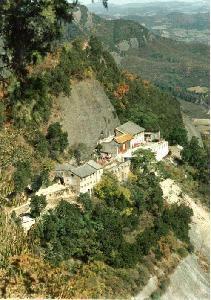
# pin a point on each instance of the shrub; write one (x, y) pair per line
(57, 139)
(182, 252)
(22, 176)
(37, 204)
(2, 114)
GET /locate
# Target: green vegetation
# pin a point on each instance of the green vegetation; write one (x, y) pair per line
(171, 65)
(57, 139)
(37, 204)
(22, 176)
(2, 114)
(192, 172)
(141, 102)
(198, 158)
(88, 247)
(178, 136)
(97, 230)
(29, 31)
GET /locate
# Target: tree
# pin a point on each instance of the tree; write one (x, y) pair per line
(142, 159)
(86, 201)
(178, 218)
(2, 114)
(31, 26)
(66, 233)
(193, 154)
(40, 180)
(22, 176)
(178, 136)
(81, 152)
(37, 204)
(149, 121)
(110, 191)
(198, 158)
(57, 139)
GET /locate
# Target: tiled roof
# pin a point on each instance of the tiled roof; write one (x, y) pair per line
(130, 128)
(84, 171)
(123, 138)
(95, 165)
(109, 147)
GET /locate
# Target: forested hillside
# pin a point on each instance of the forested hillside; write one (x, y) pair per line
(104, 246)
(173, 66)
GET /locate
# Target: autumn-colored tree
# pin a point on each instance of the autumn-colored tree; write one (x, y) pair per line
(121, 91)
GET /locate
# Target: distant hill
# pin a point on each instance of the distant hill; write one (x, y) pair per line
(176, 25)
(172, 65)
(182, 21)
(151, 8)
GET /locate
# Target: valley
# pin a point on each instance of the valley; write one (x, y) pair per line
(174, 66)
(181, 21)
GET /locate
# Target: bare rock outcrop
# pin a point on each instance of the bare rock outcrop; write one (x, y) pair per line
(87, 114)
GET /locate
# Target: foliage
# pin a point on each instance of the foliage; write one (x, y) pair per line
(2, 114)
(86, 201)
(22, 176)
(30, 101)
(41, 144)
(194, 155)
(34, 277)
(179, 218)
(40, 180)
(37, 204)
(143, 160)
(110, 191)
(57, 139)
(198, 158)
(12, 238)
(81, 152)
(69, 233)
(31, 29)
(178, 136)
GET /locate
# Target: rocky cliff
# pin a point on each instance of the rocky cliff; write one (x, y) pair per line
(87, 114)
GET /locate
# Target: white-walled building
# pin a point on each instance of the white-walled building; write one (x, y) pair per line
(116, 153)
(134, 131)
(82, 179)
(160, 149)
(130, 137)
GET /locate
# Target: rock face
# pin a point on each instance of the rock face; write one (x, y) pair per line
(87, 114)
(190, 280)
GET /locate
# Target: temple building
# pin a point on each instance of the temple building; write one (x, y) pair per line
(116, 152)
(130, 137)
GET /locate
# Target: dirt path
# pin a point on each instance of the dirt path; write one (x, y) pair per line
(191, 129)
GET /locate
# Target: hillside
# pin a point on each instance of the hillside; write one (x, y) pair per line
(183, 27)
(172, 65)
(87, 114)
(182, 21)
(57, 97)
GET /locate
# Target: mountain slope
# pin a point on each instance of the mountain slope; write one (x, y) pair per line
(172, 65)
